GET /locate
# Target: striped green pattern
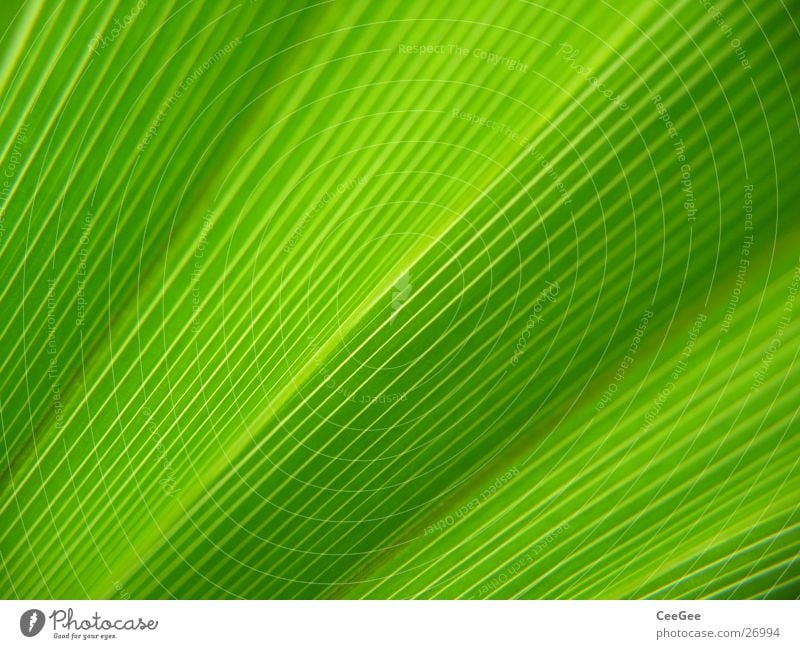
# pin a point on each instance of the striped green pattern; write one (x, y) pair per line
(402, 299)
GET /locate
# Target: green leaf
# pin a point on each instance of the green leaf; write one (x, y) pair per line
(399, 300)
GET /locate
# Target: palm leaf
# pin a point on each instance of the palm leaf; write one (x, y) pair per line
(402, 299)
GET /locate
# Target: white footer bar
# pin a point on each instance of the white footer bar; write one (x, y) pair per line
(400, 625)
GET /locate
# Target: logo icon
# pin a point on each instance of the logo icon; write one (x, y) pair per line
(31, 622)
(402, 291)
